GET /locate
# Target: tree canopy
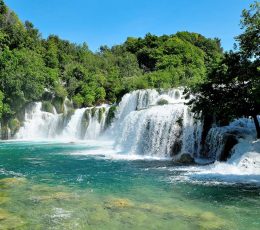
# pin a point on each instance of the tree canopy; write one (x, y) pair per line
(232, 87)
(34, 69)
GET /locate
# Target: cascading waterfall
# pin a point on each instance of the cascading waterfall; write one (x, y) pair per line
(218, 137)
(69, 125)
(147, 122)
(96, 118)
(155, 123)
(37, 123)
(72, 130)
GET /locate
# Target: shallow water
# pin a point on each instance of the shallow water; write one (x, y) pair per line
(52, 185)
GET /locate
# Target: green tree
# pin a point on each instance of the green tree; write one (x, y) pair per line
(232, 88)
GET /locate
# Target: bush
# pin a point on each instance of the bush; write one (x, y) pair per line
(47, 107)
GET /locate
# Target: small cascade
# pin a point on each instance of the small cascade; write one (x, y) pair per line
(192, 131)
(221, 140)
(37, 123)
(95, 121)
(84, 123)
(72, 130)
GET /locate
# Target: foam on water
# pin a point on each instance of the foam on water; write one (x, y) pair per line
(242, 167)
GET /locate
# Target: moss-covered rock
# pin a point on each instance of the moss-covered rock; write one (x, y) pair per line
(110, 116)
(3, 198)
(58, 103)
(47, 106)
(85, 122)
(185, 158)
(177, 145)
(14, 126)
(93, 111)
(10, 221)
(55, 196)
(162, 102)
(118, 204)
(11, 182)
(101, 112)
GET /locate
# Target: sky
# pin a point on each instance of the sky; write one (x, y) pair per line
(110, 22)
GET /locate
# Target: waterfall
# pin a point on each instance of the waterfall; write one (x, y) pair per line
(155, 123)
(37, 123)
(148, 122)
(72, 130)
(72, 124)
(219, 138)
(96, 118)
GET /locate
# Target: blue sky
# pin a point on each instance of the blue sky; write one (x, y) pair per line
(110, 22)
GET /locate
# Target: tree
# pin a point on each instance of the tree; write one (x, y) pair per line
(1, 103)
(232, 87)
(249, 41)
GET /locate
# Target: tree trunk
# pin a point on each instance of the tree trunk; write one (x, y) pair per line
(257, 126)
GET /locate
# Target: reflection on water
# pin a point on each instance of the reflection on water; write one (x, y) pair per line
(47, 186)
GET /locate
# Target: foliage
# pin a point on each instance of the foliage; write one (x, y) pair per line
(33, 69)
(232, 87)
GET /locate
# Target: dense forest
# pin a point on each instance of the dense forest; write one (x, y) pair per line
(33, 68)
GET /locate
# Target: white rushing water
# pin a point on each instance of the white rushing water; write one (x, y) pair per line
(151, 124)
(156, 124)
(75, 125)
(242, 167)
(147, 122)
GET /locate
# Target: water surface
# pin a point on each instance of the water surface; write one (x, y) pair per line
(52, 185)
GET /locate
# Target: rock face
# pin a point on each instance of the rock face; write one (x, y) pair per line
(220, 141)
(230, 140)
(185, 158)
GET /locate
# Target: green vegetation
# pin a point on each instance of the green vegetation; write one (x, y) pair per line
(232, 87)
(36, 69)
(49, 70)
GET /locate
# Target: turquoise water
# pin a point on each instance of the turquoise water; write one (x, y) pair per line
(51, 185)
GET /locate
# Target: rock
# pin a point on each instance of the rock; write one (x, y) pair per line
(162, 102)
(62, 196)
(47, 107)
(230, 140)
(58, 103)
(208, 220)
(3, 198)
(110, 116)
(93, 111)
(55, 196)
(3, 215)
(10, 221)
(185, 158)
(101, 112)
(99, 215)
(11, 182)
(119, 203)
